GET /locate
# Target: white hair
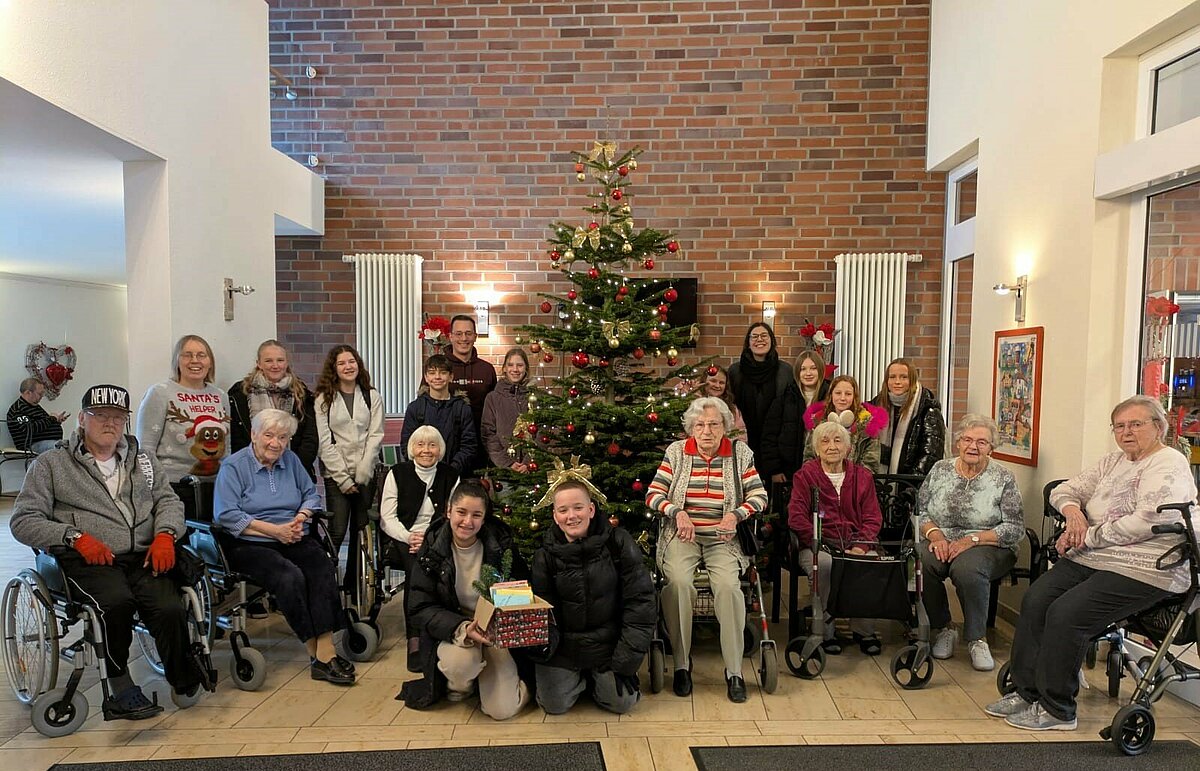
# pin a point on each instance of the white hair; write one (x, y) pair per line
(827, 427)
(425, 434)
(697, 408)
(975, 420)
(272, 418)
(1158, 415)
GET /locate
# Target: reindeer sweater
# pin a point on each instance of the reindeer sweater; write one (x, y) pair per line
(187, 430)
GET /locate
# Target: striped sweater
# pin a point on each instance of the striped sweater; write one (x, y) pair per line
(705, 487)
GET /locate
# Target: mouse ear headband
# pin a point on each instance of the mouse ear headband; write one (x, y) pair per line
(845, 418)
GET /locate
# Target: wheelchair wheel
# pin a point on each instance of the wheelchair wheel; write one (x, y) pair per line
(359, 642)
(30, 637)
(52, 717)
(805, 668)
(1114, 668)
(249, 669)
(1089, 657)
(658, 666)
(907, 673)
(1004, 681)
(149, 649)
(185, 702)
(768, 668)
(1132, 729)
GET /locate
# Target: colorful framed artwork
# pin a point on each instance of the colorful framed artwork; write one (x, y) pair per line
(1017, 393)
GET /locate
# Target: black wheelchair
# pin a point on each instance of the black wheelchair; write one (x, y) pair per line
(38, 612)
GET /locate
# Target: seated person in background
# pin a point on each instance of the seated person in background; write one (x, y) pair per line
(450, 415)
(107, 513)
(31, 427)
(443, 604)
(604, 604)
(1108, 571)
(915, 437)
(265, 499)
(415, 495)
(851, 523)
(865, 422)
(971, 522)
(501, 409)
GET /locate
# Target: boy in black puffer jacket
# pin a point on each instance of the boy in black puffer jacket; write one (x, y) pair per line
(605, 606)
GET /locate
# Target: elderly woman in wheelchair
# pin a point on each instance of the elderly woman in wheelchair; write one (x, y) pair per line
(1110, 547)
(265, 499)
(103, 513)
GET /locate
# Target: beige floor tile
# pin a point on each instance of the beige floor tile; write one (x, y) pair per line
(675, 753)
(507, 730)
(281, 748)
(584, 711)
(215, 736)
(204, 717)
(1195, 737)
(711, 702)
(33, 740)
(1015, 737)
(433, 744)
(31, 760)
(627, 754)
(664, 706)
(197, 751)
(947, 701)
(856, 676)
(532, 714)
(984, 725)
(444, 713)
(772, 728)
(763, 741)
(697, 728)
(873, 709)
(96, 721)
(109, 754)
(519, 742)
(842, 739)
(376, 733)
(399, 744)
(799, 699)
(919, 739)
(369, 702)
(284, 708)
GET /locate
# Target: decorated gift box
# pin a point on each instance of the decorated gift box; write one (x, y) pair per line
(515, 626)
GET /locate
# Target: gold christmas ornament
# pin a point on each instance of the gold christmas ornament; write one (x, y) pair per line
(589, 438)
(672, 352)
(633, 163)
(627, 247)
(569, 254)
(581, 176)
(533, 524)
(583, 234)
(577, 472)
(614, 342)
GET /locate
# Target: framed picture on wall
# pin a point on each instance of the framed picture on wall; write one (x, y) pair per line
(1017, 393)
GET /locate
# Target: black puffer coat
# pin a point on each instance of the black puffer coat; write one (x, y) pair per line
(784, 433)
(604, 601)
(925, 440)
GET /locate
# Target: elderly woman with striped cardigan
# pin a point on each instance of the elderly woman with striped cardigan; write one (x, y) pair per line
(704, 487)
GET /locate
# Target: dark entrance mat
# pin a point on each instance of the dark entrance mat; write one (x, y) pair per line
(1060, 756)
(584, 756)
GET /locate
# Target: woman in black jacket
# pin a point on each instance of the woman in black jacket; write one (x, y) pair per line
(604, 606)
(758, 378)
(785, 434)
(457, 654)
(915, 437)
(273, 384)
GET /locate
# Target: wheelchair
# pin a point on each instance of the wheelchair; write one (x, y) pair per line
(757, 642)
(1174, 621)
(39, 612)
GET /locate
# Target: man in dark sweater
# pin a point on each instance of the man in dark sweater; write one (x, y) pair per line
(470, 376)
(31, 427)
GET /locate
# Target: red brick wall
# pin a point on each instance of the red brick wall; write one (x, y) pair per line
(775, 136)
(1173, 241)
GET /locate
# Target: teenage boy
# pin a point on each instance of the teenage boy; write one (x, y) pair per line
(450, 415)
(470, 375)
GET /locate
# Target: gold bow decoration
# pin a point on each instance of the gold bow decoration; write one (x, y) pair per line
(607, 149)
(583, 234)
(577, 473)
(521, 426)
(614, 329)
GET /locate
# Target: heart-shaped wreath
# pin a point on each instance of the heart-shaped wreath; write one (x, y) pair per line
(53, 366)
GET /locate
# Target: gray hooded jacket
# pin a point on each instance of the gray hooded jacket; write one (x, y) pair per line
(64, 490)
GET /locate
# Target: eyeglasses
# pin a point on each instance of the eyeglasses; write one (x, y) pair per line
(106, 417)
(983, 443)
(190, 355)
(460, 333)
(760, 338)
(1132, 425)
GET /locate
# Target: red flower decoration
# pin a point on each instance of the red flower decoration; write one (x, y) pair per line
(808, 330)
(435, 330)
(830, 369)
(827, 329)
(1160, 307)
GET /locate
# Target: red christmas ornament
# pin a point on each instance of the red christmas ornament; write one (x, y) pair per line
(614, 448)
(671, 295)
(497, 486)
(672, 361)
(546, 306)
(535, 347)
(573, 392)
(652, 417)
(508, 511)
(672, 246)
(655, 334)
(603, 363)
(545, 439)
(548, 357)
(623, 171)
(638, 353)
(614, 520)
(712, 371)
(570, 428)
(578, 168)
(571, 295)
(554, 255)
(593, 274)
(580, 360)
(638, 486)
(622, 290)
(532, 428)
(648, 264)
(594, 225)
(664, 309)
(619, 298)
(533, 466)
(616, 194)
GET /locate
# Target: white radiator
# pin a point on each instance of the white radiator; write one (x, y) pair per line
(869, 312)
(387, 293)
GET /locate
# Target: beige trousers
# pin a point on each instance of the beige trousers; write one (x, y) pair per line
(678, 561)
(501, 692)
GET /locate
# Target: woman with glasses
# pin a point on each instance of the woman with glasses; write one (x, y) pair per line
(758, 378)
(1108, 571)
(971, 522)
(184, 421)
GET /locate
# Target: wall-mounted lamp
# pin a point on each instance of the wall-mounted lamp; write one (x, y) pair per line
(483, 310)
(1020, 289)
(230, 290)
(768, 308)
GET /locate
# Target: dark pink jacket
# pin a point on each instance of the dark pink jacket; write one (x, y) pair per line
(850, 519)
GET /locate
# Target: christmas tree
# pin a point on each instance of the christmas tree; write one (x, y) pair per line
(622, 399)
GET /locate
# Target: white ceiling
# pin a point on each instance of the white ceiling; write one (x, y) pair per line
(61, 192)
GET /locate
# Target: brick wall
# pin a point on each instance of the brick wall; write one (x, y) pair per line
(1173, 241)
(775, 136)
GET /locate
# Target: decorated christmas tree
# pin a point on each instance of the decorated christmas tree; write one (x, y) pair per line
(623, 387)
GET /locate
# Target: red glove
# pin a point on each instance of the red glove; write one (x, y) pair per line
(94, 551)
(161, 554)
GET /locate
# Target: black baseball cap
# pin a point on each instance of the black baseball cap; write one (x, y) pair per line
(106, 396)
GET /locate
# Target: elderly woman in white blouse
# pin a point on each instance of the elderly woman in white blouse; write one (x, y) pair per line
(1108, 571)
(971, 523)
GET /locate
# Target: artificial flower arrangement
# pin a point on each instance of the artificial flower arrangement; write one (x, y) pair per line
(1159, 311)
(819, 337)
(435, 332)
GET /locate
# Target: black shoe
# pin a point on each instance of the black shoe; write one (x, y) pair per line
(256, 610)
(737, 689)
(832, 646)
(868, 644)
(416, 662)
(130, 704)
(683, 682)
(346, 664)
(330, 673)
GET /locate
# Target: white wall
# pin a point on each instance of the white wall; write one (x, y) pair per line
(187, 82)
(89, 317)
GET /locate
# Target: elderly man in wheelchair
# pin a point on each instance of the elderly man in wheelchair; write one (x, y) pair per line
(105, 512)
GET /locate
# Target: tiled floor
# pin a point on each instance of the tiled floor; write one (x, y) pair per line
(855, 701)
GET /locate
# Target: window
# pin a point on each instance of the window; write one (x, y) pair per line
(1176, 92)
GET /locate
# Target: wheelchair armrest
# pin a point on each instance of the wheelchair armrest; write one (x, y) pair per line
(190, 480)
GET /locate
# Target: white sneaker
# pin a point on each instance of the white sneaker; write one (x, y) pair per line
(943, 644)
(1035, 718)
(981, 655)
(1009, 704)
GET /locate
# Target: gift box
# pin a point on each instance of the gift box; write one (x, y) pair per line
(515, 626)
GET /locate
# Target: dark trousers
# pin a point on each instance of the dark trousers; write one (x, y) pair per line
(346, 510)
(301, 578)
(972, 573)
(120, 590)
(1066, 608)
